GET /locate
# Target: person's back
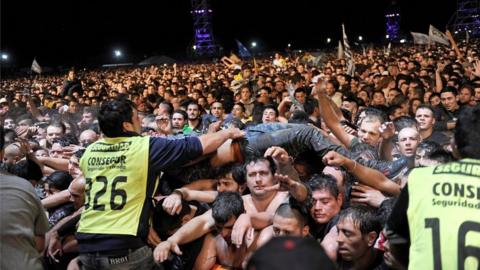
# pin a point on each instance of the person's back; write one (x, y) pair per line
(437, 212)
(435, 193)
(22, 221)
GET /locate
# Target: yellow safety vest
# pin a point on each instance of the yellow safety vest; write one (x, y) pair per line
(116, 171)
(444, 216)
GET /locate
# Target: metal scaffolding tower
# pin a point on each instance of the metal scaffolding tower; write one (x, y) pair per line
(392, 22)
(466, 18)
(203, 41)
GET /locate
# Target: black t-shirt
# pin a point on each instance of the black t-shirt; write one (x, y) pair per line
(438, 137)
(318, 231)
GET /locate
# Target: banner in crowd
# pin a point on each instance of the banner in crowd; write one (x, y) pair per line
(242, 50)
(36, 67)
(438, 36)
(389, 49)
(340, 52)
(348, 53)
(419, 38)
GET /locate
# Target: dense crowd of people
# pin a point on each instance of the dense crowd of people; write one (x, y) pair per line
(272, 163)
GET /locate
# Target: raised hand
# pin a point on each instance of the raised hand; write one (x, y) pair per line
(279, 155)
(387, 130)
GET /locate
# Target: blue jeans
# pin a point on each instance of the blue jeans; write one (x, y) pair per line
(294, 138)
(298, 138)
(140, 259)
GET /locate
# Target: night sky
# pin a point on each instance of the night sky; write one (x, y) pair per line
(80, 32)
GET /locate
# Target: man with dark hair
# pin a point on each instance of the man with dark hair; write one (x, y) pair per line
(218, 249)
(358, 229)
(326, 204)
(270, 114)
(54, 131)
(72, 84)
(194, 118)
(447, 114)
(466, 95)
(425, 117)
(217, 110)
(24, 223)
(88, 117)
(114, 224)
(179, 123)
(290, 219)
(433, 223)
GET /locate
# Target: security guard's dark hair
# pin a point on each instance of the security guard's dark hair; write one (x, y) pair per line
(467, 133)
(113, 114)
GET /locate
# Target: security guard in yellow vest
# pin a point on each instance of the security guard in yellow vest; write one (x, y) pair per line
(121, 173)
(436, 219)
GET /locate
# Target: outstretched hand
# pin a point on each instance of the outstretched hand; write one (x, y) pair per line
(284, 183)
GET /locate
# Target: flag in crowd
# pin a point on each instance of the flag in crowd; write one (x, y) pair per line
(242, 50)
(420, 38)
(36, 67)
(438, 36)
(389, 48)
(348, 53)
(340, 50)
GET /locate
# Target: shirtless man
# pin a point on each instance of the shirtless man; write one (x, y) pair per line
(260, 207)
(217, 247)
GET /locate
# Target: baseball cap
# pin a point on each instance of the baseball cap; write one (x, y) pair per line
(3, 100)
(290, 253)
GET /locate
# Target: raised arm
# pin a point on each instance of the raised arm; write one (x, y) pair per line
(55, 163)
(210, 142)
(438, 77)
(331, 119)
(387, 130)
(173, 203)
(56, 199)
(454, 45)
(192, 230)
(365, 175)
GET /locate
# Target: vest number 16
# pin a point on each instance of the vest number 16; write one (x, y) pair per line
(463, 251)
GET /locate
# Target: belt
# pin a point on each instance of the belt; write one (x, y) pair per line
(114, 253)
